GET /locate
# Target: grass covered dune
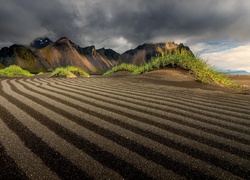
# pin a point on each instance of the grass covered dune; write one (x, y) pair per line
(69, 72)
(14, 71)
(184, 60)
(65, 72)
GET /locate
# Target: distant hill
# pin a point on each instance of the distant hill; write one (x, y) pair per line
(143, 53)
(45, 55)
(240, 72)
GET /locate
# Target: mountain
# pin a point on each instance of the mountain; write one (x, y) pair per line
(143, 53)
(109, 54)
(45, 55)
(63, 52)
(239, 72)
(22, 56)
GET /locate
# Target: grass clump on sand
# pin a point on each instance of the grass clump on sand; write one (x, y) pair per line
(184, 60)
(121, 67)
(14, 71)
(69, 72)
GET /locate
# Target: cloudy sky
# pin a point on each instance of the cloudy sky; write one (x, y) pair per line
(218, 30)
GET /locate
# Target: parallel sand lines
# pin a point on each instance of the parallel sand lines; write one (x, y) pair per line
(55, 142)
(237, 101)
(109, 128)
(89, 135)
(136, 123)
(170, 95)
(184, 104)
(24, 158)
(102, 142)
(149, 112)
(175, 107)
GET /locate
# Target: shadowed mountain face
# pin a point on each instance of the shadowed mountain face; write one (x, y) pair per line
(44, 55)
(20, 55)
(2, 66)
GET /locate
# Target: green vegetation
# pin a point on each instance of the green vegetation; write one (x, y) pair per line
(14, 71)
(184, 60)
(69, 72)
(122, 67)
(40, 73)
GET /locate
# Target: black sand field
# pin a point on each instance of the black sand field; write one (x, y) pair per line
(123, 127)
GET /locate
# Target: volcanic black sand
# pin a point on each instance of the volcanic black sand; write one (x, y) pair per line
(161, 125)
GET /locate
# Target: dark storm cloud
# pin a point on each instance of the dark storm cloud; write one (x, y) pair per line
(114, 23)
(22, 20)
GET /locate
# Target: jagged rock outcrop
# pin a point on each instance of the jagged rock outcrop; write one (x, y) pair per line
(143, 53)
(109, 54)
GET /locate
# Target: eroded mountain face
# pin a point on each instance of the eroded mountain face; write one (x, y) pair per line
(44, 55)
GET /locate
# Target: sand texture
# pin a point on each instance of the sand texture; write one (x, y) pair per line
(152, 126)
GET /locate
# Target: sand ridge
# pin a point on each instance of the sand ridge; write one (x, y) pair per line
(124, 127)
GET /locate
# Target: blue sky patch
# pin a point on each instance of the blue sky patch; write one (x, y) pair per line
(218, 46)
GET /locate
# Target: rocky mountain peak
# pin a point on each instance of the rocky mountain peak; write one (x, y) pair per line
(148, 46)
(109, 53)
(63, 44)
(63, 40)
(89, 50)
(40, 43)
(170, 45)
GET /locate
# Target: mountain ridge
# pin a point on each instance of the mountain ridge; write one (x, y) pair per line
(233, 72)
(45, 55)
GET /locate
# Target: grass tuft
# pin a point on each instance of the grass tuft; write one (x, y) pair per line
(184, 60)
(121, 67)
(14, 71)
(69, 72)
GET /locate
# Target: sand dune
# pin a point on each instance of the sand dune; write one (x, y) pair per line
(119, 127)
